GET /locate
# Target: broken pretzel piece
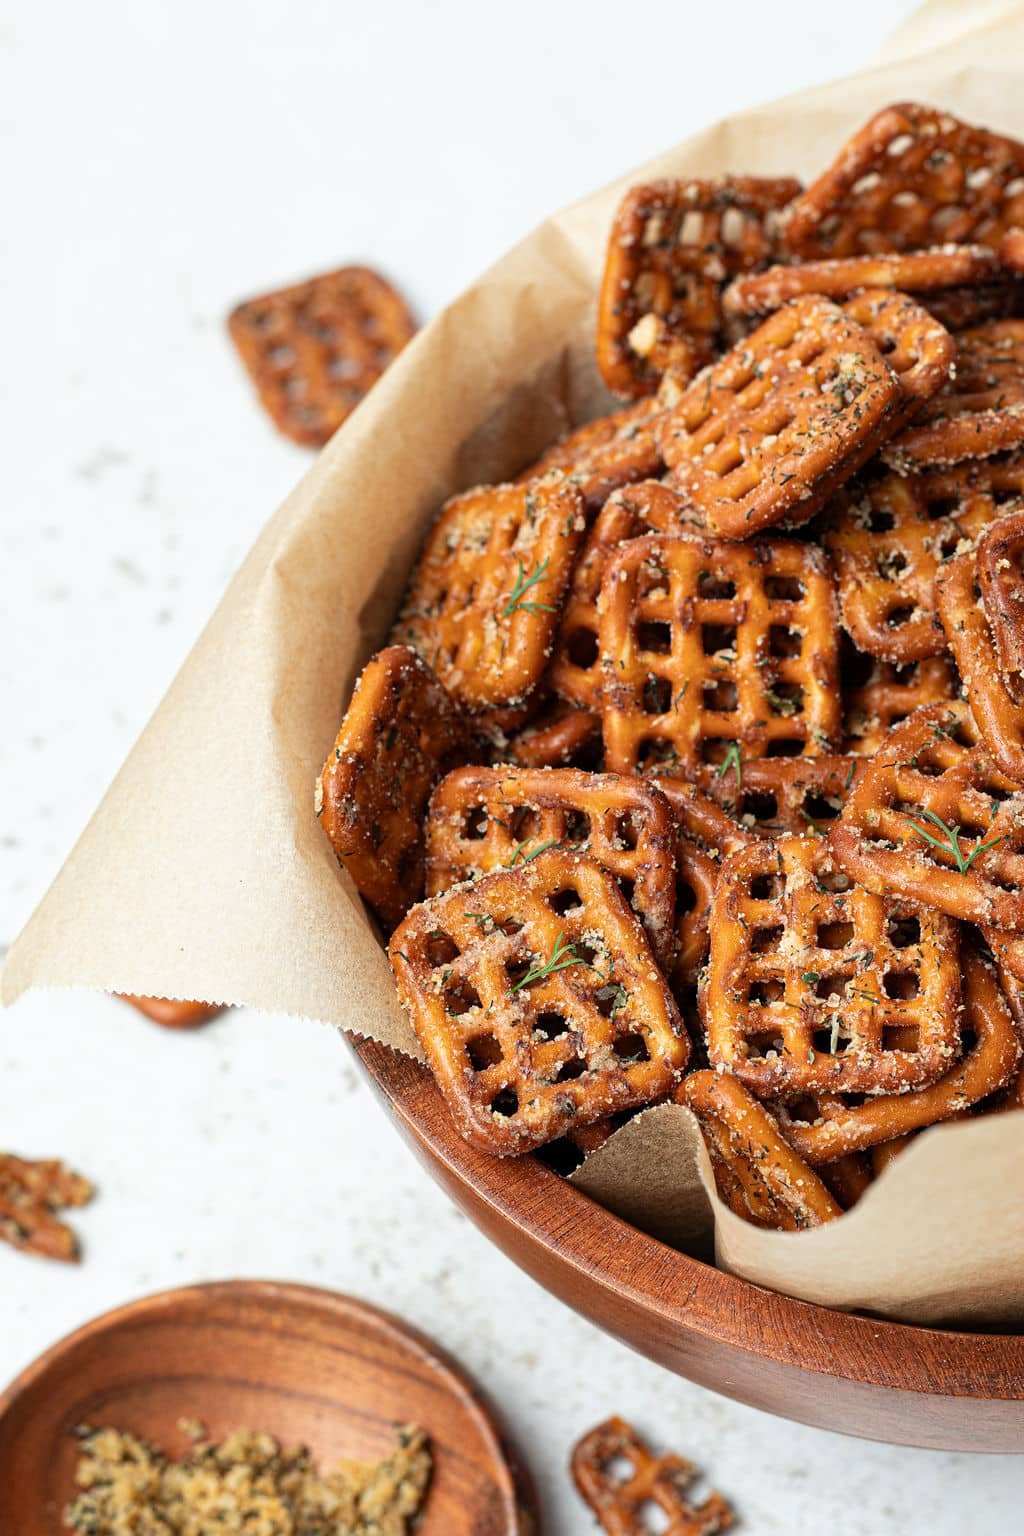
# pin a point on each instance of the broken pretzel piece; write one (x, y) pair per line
(626, 1486)
(979, 412)
(30, 1194)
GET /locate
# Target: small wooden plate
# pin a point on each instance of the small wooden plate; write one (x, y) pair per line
(304, 1364)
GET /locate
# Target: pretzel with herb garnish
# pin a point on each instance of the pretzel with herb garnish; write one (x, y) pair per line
(979, 412)
(30, 1195)
(775, 796)
(810, 975)
(605, 454)
(917, 348)
(536, 998)
(878, 696)
(622, 1500)
(921, 272)
(482, 819)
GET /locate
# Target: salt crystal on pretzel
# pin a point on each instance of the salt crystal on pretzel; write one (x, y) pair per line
(918, 350)
(482, 819)
(401, 731)
(483, 604)
(943, 266)
(673, 246)
(878, 696)
(560, 737)
(538, 1002)
(704, 835)
(779, 796)
(991, 1058)
(759, 1175)
(606, 454)
(810, 974)
(712, 650)
(911, 178)
(314, 350)
(933, 819)
(767, 433)
(980, 411)
(623, 1500)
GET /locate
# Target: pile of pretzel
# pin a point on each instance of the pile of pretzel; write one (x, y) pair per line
(704, 738)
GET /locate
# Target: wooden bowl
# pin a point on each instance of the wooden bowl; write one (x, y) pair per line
(302, 1363)
(880, 1380)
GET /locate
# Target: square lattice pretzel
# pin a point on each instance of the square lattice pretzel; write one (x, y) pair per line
(483, 603)
(980, 411)
(775, 797)
(812, 979)
(767, 433)
(482, 819)
(538, 1002)
(650, 1488)
(709, 649)
(878, 696)
(605, 454)
(704, 835)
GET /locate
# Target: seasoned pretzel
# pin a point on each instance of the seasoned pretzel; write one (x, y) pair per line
(911, 178)
(996, 698)
(934, 820)
(314, 350)
(848, 1179)
(673, 246)
(606, 454)
(401, 731)
(877, 696)
(960, 309)
(1000, 552)
(759, 1175)
(810, 975)
(1011, 249)
(991, 1057)
(766, 434)
(710, 650)
(537, 1000)
(979, 412)
(944, 266)
(918, 350)
(483, 603)
(173, 1012)
(776, 796)
(622, 1504)
(704, 835)
(560, 737)
(649, 507)
(30, 1194)
(483, 819)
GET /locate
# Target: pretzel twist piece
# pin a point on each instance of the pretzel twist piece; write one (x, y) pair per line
(561, 737)
(537, 1001)
(980, 411)
(919, 819)
(943, 266)
(483, 819)
(483, 604)
(768, 432)
(996, 698)
(811, 975)
(400, 732)
(606, 454)
(621, 1503)
(992, 1056)
(712, 649)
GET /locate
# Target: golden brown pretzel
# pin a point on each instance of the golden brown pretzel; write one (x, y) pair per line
(560, 737)
(848, 1179)
(1011, 249)
(623, 1503)
(313, 351)
(30, 1194)
(773, 796)
(482, 819)
(919, 351)
(943, 266)
(911, 178)
(606, 454)
(996, 698)
(990, 1060)
(173, 1012)
(768, 432)
(712, 650)
(999, 554)
(810, 975)
(980, 411)
(934, 819)
(877, 696)
(401, 731)
(704, 835)
(960, 309)
(649, 507)
(537, 1000)
(759, 1176)
(483, 604)
(672, 248)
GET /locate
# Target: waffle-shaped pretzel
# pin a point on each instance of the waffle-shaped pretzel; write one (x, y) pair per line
(779, 796)
(759, 1176)
(1000, 552)
(1011, 249)
(560, 737)
(944, 266)
(878, 696)
(649, 507)
(980, 411)
(654, 1486)
(535, 995)
(960, 309)
(482, 819)
(918, 350)
(606, 454)
(400, 732)
(765, 434)
(810, 976)
(704, 835)
(673, 246)
(710, 651)
(934, 820)
(313, 351)
(30, 1195)
(483, 604)
(991, 1057)
(173, 1012)
(911, 178)
(996, 697)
